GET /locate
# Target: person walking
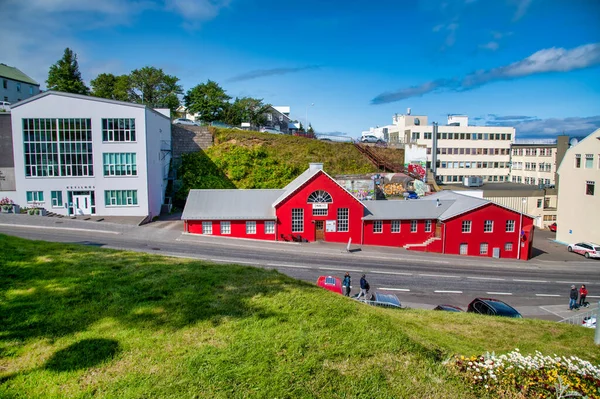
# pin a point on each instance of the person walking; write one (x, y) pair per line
(573, 298)
(364, 287)
(582, 294)
(346, 284)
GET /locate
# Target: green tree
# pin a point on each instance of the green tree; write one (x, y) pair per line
(152, 87)
(246, 109)
(209, 100)
(301, 128)
(65, 75)
(107, 85)
(310, 129)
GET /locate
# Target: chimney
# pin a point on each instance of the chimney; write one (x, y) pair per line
(315, 166)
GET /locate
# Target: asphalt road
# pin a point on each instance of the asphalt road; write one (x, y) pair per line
(419, 280)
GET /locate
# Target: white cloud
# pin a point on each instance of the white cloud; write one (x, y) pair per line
(490, 46)
(522, 7)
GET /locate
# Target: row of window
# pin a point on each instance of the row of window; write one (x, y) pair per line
(532, 152)
(111, 198)
(589, 161)
(470, 151)
(225, 227)
(473, 165)
(483, 248)
(543, 167)
(463, 136)
(395, 226)
(460, 178)
(17, 86)
(488, 226)
(531, 180)
(343, 215)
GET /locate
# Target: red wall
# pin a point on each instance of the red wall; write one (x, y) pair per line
(387, 238)
(341, 199)
(454, 236)
(238, 229)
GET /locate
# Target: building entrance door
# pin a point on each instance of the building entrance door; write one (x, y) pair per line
(319, 230)
(82, 204)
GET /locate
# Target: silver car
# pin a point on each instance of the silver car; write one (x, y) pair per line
(370, 139)
(184, 121)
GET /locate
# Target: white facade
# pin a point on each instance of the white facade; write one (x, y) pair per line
(579, 192)
(533, 164)
(78, 155)
(462, 150)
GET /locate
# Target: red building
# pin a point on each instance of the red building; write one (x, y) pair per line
(315, 207)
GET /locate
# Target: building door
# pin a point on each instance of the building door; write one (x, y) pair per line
(82, 204)
(438, 230)
(319, 230)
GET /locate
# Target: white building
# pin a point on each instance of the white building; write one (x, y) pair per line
(81, 155)
(462, 150)
(15, 85)
(578, 199)
(536, 162)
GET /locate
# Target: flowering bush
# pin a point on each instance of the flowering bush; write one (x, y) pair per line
(529, 376)
(6, 204)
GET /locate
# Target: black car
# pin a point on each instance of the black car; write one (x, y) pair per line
(492, 307)
(448, 308)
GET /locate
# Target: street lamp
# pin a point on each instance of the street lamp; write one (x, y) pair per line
(306, 120)
(523, 200)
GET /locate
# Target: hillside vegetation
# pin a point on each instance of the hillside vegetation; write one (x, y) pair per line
(81, 321)
(244, 159)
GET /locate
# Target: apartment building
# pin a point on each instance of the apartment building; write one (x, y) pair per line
(578, 213)
(15, 85)
(82, 155)
(535, 163)
(460, 150)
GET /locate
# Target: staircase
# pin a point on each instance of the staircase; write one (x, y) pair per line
(382, 164)
(422, 245)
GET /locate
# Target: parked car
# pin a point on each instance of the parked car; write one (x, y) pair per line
(269, 130)
(383, 300)
(184, 121)
(370, 139)
(492, 307)
(587, 249)
(331, 283)
(448, 308)
(5, 105)
(552, 227)
(589, 322)
(411, 195)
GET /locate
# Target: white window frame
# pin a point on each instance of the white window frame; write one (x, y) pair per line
(463, 249)
(466, 226)
(414, 226)
(297, 220)
(483, 248)
(225, 227)
(508, 246)
(428, 226)
(207, 228)
(55, 199)
(490, 224)
(510, 226)
(343, 220)
(396, 226)
(251, 227)
(377, 227)
(269, 227)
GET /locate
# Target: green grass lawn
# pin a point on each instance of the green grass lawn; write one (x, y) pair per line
(81, 321)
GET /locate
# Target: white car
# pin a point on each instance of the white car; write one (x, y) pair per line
(184, 121)
(589, 322)
(269, 130)
(587, 249)
(370, 139)
(5, 105)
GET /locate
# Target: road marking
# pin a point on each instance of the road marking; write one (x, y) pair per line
(570, 282)
(554, 295)
(395, 289)
(499, 293)
(593, 296)
(448, 292)
(549, 311)
(339, 270)
(59, 228)
(530, 281)
(235, 261)
(292, 266)
(438, 275)
(486, 278)
(395, 273)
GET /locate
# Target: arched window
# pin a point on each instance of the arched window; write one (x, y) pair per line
(319, 196)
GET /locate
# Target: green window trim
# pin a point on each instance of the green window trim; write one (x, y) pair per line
(35, 196)
(57, 201)
(120, 163)
(120, 198)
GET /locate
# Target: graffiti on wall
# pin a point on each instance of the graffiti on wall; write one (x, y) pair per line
(361, 189)
(417, 169)
(393, 189)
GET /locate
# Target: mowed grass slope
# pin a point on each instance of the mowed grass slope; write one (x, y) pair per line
(80, 321)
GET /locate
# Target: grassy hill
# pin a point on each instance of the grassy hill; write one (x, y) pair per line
(80, 321)
(241, 159)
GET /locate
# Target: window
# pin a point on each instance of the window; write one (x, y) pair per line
(589, 161)
(578, 160)
(57, 201)
(297, 220)
(589, 187)
(5, 85)
(377, 226)
(413, 226)
(250, 227)
(31, 90)
(120, 164)
(269, 227)
(225, 227)
(118, 129)
(206, 227)
(488, 226)
(466, 226)
(120, 197)
(18, 87)
(464, 249)
(539, 203)
(319, 196)
(508, 246)
(428, 226)
(483, 248)
(57, 147)
(35, 196)
(319, 211)
(342, 219)
(510, 226)
(395, 226)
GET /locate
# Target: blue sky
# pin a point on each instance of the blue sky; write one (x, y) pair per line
(533, 64)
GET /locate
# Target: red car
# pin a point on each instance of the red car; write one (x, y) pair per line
(330, 283)
(552, 227)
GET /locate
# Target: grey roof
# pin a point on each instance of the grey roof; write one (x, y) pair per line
(422, 208)
(462, 203)
(296, 184)
(84, 97)
(230, 205)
